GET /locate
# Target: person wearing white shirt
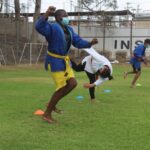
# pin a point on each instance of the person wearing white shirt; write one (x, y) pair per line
(98, 70)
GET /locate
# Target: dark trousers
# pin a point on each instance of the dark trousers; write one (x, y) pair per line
(92, 79)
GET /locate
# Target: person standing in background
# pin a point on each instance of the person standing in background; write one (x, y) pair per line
(137, 58)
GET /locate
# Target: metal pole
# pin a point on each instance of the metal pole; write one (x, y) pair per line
(131, 36)
(78, 23)
(78, 30)
(39, 53)
(22, 53)
(13, 55)
(3, 56)
(79, 9)
(31, 53)
(104, 32)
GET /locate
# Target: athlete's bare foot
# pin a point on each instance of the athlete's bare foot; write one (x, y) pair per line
(48, 119)
(132, 86)
(94, 101)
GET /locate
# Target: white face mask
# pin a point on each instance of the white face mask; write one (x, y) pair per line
(147, 46)
(65, 21)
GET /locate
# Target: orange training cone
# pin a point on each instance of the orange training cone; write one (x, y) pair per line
(39, 112)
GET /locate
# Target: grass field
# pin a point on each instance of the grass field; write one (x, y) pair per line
(120, 121)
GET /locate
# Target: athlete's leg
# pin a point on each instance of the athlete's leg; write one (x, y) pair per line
(92, 80)
(58, 95)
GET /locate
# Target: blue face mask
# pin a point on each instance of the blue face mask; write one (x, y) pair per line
(65, 21)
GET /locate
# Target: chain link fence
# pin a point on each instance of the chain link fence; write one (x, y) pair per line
(117, 40)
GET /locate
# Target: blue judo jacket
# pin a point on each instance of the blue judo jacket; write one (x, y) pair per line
(138, 52)
(57, 44)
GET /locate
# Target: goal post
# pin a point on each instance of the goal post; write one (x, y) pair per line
(32, 53)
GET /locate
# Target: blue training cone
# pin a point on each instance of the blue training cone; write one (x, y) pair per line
(80, 98)
(107, 91)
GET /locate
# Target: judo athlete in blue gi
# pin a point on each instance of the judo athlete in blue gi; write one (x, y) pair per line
(137, 58)
(59, 36)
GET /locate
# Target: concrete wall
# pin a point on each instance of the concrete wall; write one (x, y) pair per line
(8, 26)
(116, 39)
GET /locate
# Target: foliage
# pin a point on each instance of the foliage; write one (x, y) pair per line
(99, 4)
(1, 5)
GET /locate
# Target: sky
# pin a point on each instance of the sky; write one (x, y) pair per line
(141, 5)
(69, 5)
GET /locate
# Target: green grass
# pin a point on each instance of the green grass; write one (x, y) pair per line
(120, 121)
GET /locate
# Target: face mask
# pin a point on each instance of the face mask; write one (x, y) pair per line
(65, 21)
(147, 46)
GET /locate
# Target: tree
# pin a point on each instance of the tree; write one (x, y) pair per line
(17, 9)
(34, 34)
(93, 5)
(1, 5)
(17, 21)
(100, 5)
(35, 17)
